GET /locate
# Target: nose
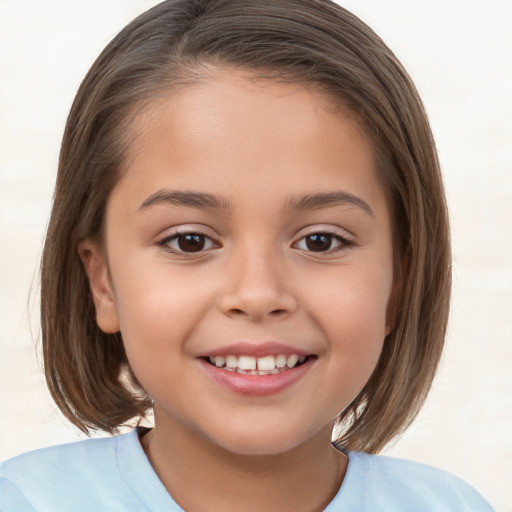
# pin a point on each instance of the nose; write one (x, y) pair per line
(257, 288)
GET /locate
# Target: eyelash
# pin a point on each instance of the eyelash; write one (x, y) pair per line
(168, 240)
(343, 243)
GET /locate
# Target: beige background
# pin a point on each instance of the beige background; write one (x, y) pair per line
(459, 52)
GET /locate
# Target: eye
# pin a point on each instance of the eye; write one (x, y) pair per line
(188, 243)
(322, 242)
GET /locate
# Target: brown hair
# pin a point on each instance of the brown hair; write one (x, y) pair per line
(305, 41)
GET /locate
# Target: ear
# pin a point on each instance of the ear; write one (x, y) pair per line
(96, 268)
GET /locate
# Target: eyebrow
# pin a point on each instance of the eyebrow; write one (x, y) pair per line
(209, 201)
(192, 199)
(326, 200)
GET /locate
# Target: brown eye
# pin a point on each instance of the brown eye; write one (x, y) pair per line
(188, 243)
(318, 242)
(323, 242)
(191, 242)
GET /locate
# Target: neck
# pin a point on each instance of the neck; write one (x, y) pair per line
(202, 476)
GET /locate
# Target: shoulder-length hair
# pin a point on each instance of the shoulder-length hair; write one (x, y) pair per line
(305, 41)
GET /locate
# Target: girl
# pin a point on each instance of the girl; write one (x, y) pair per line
(248, 238)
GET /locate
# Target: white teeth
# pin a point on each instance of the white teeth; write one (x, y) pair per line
(281, 361)
(266, 363)
(231, 361)
(292, 361)
(247, 363)
(219, 361)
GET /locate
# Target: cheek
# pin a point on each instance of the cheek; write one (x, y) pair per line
(354, 302)
(155, 322)
(157, 309)
(353, 317)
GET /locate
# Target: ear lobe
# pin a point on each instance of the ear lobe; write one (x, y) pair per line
(96, 268)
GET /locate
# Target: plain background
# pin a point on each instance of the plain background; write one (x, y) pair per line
(459, 52)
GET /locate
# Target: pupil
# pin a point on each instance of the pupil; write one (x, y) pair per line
(318, 243)
(191, 242)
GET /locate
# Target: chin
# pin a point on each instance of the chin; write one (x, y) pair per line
(254, 448)
(260, 442)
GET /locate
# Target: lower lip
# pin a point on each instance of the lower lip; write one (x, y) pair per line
(256, 385)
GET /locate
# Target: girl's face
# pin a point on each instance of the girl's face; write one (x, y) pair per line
(249, 230)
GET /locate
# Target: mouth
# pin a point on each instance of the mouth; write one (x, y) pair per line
(257, 369)
(266, 365)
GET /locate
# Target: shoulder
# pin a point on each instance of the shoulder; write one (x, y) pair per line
(60, 460)
(69, 474)
(397, 484)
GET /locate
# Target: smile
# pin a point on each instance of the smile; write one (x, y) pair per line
(257, 370)
(249, 365)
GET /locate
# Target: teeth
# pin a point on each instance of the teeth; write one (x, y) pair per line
(281, 361)
(268, 365)
(219, 361)
(231, 361)
(247, 363)
(292, 361)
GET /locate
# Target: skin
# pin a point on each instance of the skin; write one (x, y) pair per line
(254, 144)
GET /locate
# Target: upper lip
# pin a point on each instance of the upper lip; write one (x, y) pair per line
(256, 349)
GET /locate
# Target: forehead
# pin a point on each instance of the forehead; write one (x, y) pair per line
(235, 135)
(236, 94)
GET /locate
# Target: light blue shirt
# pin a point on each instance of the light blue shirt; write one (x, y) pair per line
(114, 474)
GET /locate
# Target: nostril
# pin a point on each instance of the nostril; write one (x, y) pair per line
(277, 312)
(256, 306)
(273, 313)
